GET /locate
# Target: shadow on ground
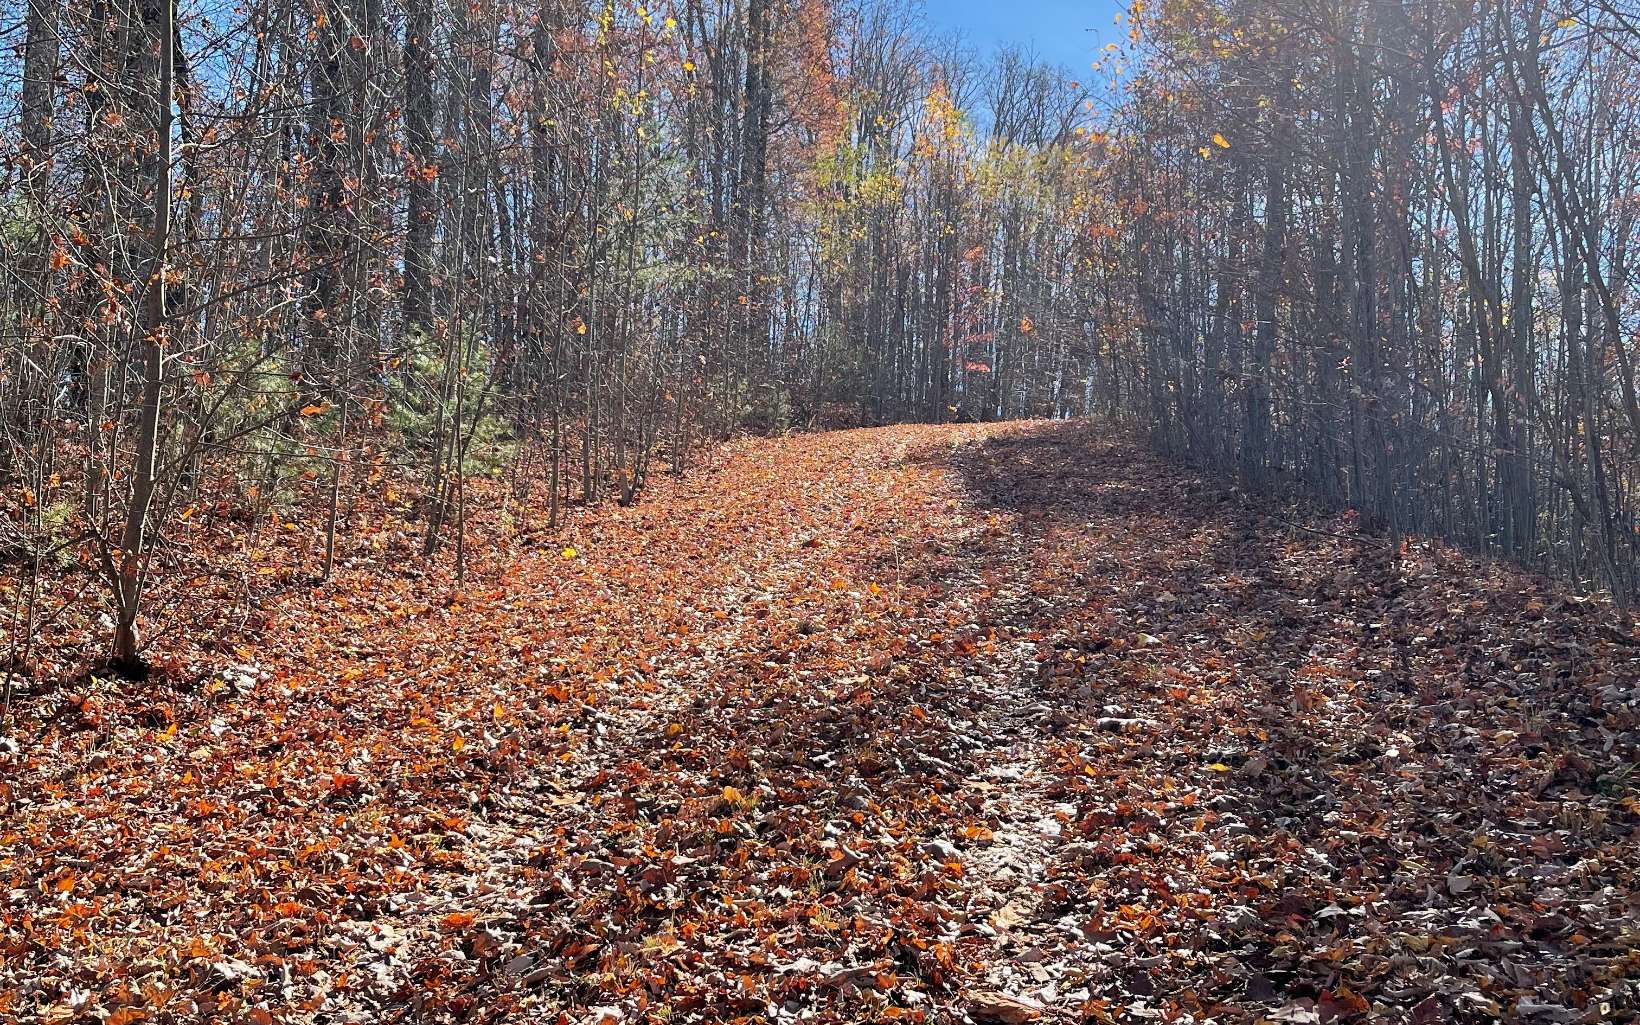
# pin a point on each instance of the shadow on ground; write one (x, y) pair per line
(1309, 778)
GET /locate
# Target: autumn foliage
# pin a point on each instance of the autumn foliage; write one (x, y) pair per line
(438, 585)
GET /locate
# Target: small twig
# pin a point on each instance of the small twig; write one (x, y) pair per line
(1360, 538)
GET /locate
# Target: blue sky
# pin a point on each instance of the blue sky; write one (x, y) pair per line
(1065, 32)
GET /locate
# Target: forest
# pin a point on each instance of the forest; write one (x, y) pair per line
(589, 512)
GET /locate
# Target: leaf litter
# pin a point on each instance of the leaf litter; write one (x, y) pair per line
(986, 723)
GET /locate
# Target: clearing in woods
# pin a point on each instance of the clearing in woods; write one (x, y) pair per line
(993, 723)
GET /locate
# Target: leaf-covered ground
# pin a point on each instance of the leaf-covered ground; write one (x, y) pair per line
(991, 723)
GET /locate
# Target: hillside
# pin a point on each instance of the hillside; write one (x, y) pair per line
(987, 723)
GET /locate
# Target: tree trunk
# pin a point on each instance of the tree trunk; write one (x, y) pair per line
(134, 539)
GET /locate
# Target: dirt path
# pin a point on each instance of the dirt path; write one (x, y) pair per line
(868, 762)
(806, 611)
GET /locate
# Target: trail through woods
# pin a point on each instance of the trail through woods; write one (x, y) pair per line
(995, 723)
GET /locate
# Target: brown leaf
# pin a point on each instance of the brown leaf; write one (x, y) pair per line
(991, 1006)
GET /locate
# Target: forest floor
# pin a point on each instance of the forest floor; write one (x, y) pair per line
(990, 723)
